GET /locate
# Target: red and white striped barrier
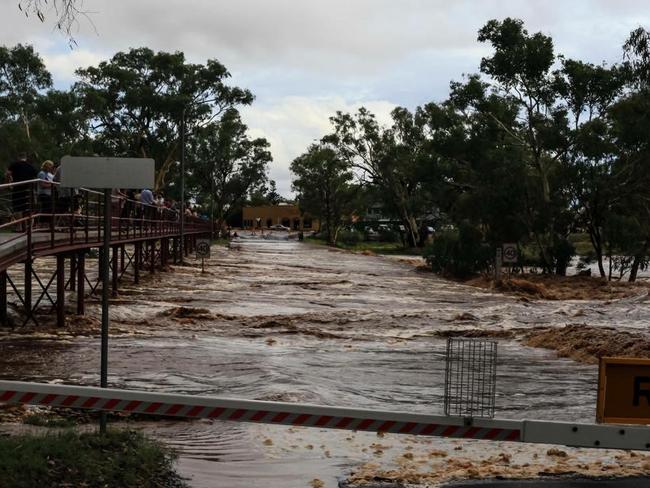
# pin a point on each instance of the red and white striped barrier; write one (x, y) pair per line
(129, 401)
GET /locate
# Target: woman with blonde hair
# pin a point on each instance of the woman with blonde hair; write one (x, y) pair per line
(46, 175)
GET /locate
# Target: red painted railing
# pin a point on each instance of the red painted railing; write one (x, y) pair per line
(34, 223)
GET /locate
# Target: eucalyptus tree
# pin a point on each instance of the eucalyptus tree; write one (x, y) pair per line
(228, 165)
(521, 67)
(23, 80)
(136, 101)
(589, 92)
(323, 182)
(483, 176)
(391, 159)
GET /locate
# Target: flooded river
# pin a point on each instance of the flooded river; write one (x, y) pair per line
(288, 321)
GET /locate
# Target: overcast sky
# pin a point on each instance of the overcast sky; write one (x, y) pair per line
(305, 59)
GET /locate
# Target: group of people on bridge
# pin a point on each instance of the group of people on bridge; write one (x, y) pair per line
(33, 191)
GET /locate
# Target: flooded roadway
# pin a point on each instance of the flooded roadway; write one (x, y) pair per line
(287, 321)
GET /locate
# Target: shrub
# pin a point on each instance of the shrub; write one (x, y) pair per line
(387, 235)
(349, 237)
(459, 253)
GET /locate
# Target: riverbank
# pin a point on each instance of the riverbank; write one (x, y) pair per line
(526, 286)
(370, 247)
(552, 287)
(120, 458)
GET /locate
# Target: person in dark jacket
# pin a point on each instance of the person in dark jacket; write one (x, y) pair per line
(17, 172)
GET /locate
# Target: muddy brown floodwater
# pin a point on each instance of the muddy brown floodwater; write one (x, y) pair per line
(274, 319)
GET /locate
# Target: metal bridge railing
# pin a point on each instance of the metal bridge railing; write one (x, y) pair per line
(33, 221)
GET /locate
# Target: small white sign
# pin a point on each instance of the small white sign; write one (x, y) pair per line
(510, 254)
(100, 172)
(203, 248)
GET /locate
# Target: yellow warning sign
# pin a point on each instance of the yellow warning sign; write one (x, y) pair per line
(623, 391)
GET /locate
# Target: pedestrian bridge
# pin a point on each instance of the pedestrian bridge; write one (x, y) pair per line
(68, 226)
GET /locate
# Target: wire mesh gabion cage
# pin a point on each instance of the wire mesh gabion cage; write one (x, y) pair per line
(470, 377)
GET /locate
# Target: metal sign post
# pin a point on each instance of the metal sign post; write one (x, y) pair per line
(497, 265)
(103, 267)
(106, 174)
(203, 251)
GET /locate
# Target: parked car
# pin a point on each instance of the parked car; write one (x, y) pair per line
(279, 227)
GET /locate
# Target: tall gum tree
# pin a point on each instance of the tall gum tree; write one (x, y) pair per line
(229, 165)
(136, 100)
(521, 67)
(589, 92)
(23, 78)
(322, 181)
(390, 159)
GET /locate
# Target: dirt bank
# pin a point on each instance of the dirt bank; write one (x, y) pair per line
(562, 287)
(586, 344)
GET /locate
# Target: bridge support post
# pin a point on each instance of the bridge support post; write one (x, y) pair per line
(3, 298)
(137, 262)
(122, 257)
(162, 254)
(27, 292)
(115, 271)
(73, 272)
(81, 274)
(60, 290)
(175, 250)
(152, 256)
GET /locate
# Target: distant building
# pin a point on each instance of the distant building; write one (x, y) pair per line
(284, 214)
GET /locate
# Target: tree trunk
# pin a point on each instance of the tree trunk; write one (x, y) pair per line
(634, 270)
(412, 232)
(165, 167)
(609, 274)
(596, 243)
(331, 234)
(28, 132)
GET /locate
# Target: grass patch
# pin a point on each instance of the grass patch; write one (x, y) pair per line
(372, 246)
(48, 421)
(121, 458)
(220, 242)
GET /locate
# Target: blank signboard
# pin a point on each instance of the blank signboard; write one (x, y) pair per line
(100, 172)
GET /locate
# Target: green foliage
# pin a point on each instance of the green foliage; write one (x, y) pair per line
(229, 165)
(350, 237)
(23, 79)
(136, 99)
(540, 148)
(388, 235)
(48, 421)
(396, 160)
(323, 186)
(119, 458)
(131, 105)
(460, 253)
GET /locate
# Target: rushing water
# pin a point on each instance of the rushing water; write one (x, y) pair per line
(281, 320)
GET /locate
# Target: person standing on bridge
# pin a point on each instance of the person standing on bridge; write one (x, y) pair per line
(17, 172)
(46, 175)
(147, 202)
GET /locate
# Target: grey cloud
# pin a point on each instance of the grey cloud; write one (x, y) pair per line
(353, 51)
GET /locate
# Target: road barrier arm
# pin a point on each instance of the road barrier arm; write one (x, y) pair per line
(305, 415)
